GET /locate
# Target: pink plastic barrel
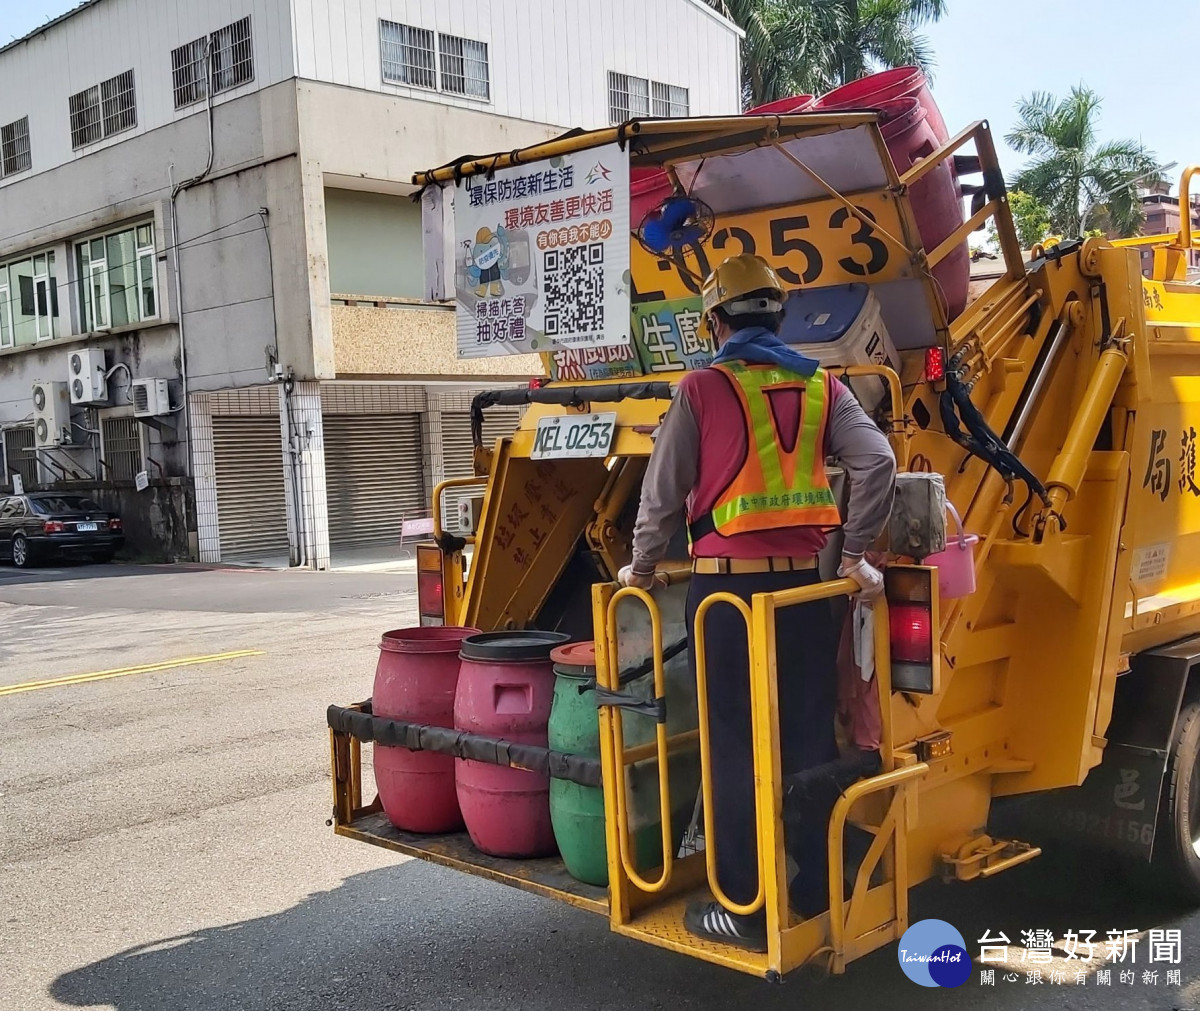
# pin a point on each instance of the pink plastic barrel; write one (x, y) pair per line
(789, 106)
(935, 199)
(415, 680)
(505, 689)
(873, 91)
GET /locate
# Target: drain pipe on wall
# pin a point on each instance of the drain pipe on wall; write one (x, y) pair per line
(175, 191)
(299, 550)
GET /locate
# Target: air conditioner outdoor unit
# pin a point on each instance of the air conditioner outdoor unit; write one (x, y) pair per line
(51, 414)
(85, 375)
(150, 398)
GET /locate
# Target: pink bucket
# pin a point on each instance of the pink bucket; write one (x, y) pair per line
(956, 564)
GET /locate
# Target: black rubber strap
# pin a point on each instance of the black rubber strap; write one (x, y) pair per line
(632, 703)
(702, 527)
(642, 669)
(365, 727)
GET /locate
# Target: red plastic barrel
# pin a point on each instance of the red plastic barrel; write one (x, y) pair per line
(415, 680)
(505, 689)
(873, 91)
(789, 106)
(648, 187)
(936, 199)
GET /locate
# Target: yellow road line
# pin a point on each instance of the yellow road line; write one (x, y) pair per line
(120, 672)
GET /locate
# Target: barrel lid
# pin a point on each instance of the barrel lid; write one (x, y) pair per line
(511, 647)
(576, 654)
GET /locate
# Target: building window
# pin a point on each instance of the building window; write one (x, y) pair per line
(28, 300)
(187, 73)
(117, 278)
(121, 448)
(464, 66)
(668, 101)
(14, 147)
(408, 55)
(232, 57)
(17, 460)
(631, 97)
(103, 110)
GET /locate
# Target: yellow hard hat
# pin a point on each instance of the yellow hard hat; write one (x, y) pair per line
(735, 278)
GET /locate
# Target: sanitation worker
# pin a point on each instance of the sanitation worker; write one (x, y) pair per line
(741, 454)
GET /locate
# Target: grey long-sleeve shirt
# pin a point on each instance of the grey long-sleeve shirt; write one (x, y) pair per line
(680, 470)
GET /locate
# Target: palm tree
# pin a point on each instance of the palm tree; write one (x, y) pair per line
(809, 46)
(1071, 172)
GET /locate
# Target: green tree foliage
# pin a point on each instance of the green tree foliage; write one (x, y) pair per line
(795, 47)
(1031, 217)
(1080, 179)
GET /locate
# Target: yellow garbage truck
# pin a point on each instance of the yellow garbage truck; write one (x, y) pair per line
(1056, 414)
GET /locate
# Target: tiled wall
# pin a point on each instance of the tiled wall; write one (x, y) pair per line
(306, 416)
(395, 338)
(204, 463)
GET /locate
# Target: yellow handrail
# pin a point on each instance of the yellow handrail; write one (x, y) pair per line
(439, 488)
(895, 394)
(837, 827)
(1185, 206)
(661, 743)
(710, 836)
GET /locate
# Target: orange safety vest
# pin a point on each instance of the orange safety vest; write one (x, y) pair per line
(775, 487)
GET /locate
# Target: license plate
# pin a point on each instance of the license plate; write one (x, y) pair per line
(584, 435)
(86, 528)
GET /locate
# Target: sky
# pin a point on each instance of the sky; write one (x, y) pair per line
(989, 55)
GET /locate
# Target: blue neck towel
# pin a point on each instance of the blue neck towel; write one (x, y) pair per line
(756, 345)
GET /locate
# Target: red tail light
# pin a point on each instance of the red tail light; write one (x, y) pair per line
(911, 627)
(53, 527)
(935, 364)
(114, 523)
(431, 595)
(537, 384)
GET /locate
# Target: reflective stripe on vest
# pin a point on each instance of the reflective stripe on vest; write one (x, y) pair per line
(778, 488)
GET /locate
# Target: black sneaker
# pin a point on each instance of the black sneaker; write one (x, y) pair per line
(714, 922)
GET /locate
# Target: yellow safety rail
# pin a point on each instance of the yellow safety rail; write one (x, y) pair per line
(439, 490)
(899, 432)
(710, 835)
(1185, 200)
(662, 743)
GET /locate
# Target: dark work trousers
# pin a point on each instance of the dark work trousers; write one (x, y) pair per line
(806, 651)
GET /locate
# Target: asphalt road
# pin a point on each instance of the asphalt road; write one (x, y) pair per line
(163, 842)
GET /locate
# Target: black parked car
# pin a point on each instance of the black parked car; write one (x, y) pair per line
(47, 524)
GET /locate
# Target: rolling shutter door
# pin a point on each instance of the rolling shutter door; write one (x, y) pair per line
(251, 502)
(374, 476)
(458, 451)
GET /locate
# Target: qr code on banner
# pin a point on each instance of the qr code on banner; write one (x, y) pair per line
(574, 285)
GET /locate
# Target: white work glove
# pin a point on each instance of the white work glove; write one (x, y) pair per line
(864, 637)
(869, 578)
(627, 577)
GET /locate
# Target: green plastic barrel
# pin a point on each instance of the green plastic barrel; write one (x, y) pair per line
(577, 812)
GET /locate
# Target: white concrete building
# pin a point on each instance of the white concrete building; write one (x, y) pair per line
(217, 193)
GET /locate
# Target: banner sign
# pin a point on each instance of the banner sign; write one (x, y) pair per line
(668, 338)
(542, 256)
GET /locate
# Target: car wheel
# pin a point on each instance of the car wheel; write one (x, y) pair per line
(1177, 848)
(20, 552)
